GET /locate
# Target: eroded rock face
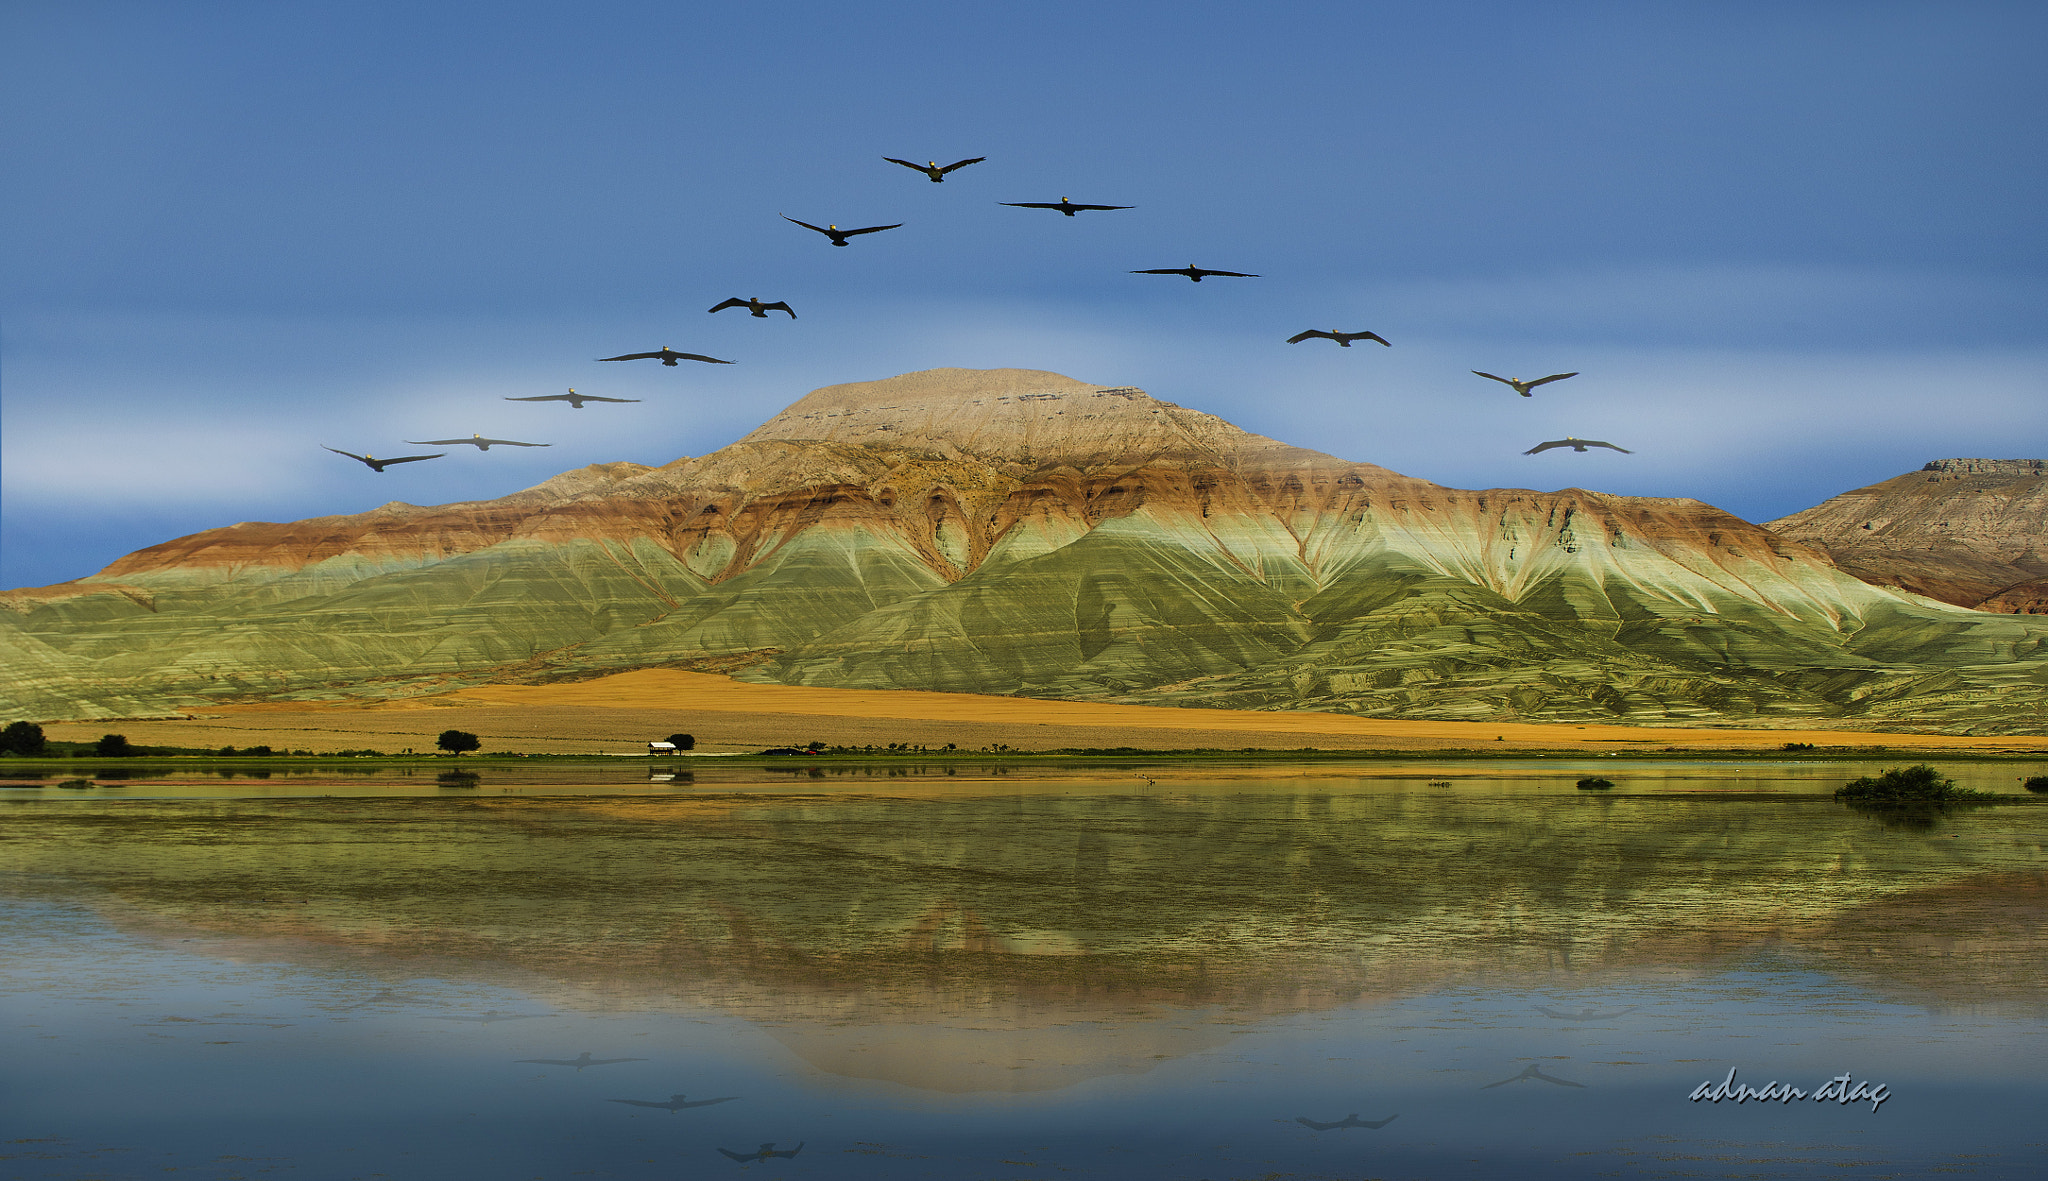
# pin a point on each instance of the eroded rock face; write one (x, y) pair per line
(1964, 531)
(1015, 531)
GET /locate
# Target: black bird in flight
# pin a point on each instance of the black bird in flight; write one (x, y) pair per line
(932, 169)
(574, 399)
(754, 305)
(676, 1102)
(1342, 338)
(1194, 272)
(579, 1062)
(379, 465)
(1584, 1014)
(1063, 205)
(1533, 1071)
(762, 1153)
(838, 235)
(476, 441)
(1349, 1121)
(668, 357)
(1523, 387)
(1576, 445)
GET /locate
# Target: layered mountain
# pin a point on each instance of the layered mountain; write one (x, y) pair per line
(1019, 532)
(1965, 531)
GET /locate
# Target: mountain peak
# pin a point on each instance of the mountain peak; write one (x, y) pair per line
(1026, 416)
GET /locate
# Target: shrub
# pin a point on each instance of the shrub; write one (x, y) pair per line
(457, 741)
(684, 741)
(1920, 784)
(22, 738)
(113, 746)
(2037, 783)
(1595, 783)
(1799, 746)
(76, 784)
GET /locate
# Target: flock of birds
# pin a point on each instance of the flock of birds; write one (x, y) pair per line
(937, 173)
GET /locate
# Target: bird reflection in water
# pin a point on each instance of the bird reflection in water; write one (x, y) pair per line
(1532, 1071)
(490, 1015)
(579, 1062)
(1349, 1121)
(762, 1153)
(675, 1103)
(1585, 1014)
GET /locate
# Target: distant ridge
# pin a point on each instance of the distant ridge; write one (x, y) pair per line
(1020, 532)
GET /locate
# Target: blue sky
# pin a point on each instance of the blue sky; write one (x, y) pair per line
(1791, 248)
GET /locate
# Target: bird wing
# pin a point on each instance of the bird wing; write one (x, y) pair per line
(609, 1061)
(447, 442)
(808, 225)
(517, 443)
(546, 398)
(700, 357)
(1302, 1119)
(732, 303)
(1371, 336)
(637, 1102)
(870, 230)
(549, 1061)
(1631, 1008)
(630, 357)
(791, 1153)
(360, 459)
(1532, 451)
(709, 1102)
(1502, 380)
(1380, 1123)
(1540, 1008)
(892, 160)
(961, 164)
(1071, 205)
(1609, 446)
(1165, 271)
(779, 306)
(1504, 1082)
(1562, 1082)
(413, 458)
(1313, 332)
(1551, 378)
(1227, 274)
(1035, 205)
(752, 1156)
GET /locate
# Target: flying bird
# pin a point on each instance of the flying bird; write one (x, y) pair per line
(379, 465)
(668, 356)
(1349, 1121)
(1576, 445)
(1585, 1014)
(838, 235)
(1063, 205)
(762, 1153)
(476, 441)
(1342, 338)
(1533, 1071)
(932, 169)
(579, 1061)
(754, 305)
(1196, 273)
(1523, 387)
(574, 399)
(676, 1102)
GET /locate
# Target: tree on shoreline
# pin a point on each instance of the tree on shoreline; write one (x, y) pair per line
(457, 741)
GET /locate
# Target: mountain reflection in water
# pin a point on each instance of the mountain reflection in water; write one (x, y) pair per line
(1026, 942)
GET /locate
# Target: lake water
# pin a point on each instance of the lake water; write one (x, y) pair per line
(975, 971)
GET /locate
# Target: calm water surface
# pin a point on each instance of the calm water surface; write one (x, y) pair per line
(956, 972)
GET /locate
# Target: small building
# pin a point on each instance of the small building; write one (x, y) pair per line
(661, 748)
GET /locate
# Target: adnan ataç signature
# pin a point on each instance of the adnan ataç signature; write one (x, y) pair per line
(1836, 1088)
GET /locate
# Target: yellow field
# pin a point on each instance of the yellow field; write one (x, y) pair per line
(621, 713)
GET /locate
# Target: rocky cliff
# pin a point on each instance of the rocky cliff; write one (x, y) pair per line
(1965, 531)
(1019, 532)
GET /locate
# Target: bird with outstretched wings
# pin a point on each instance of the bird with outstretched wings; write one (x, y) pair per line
(762, 1153)
(476, 441)
(1523, 387)
(754, 306)
(676, 1103)
(1576, 445)
(378, 465)
(1196, 273)
(579, 1061)
(1342, 338)
(838, 235)
(574, 399)
(667, 356)
(1349, 1121)
(932, 169)
(1533, 1071)
(1063, 205)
